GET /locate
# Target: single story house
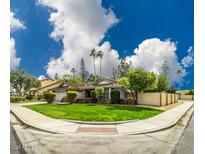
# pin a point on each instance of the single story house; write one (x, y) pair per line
(46, 85)
(84, 89)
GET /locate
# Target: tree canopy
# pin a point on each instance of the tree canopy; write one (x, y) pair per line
(21, 82)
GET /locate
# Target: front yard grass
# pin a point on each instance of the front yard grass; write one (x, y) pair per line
(95, 112)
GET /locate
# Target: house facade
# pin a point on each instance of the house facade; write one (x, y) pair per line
(84, 90)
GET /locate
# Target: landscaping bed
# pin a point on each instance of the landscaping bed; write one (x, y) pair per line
(95, 112)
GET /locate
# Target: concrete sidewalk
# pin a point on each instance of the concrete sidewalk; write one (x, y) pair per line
(156, 123)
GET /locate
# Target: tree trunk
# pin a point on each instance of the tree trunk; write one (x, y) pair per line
(94, 67)
(133, 95)
(136, 96)
(100, 66)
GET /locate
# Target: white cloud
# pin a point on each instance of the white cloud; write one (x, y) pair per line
(15, 24)
(81, 25)
(189, 59)
(14, 61)
(151, 53)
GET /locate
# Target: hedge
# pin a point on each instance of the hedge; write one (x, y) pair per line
(15, 99)
(71, 96)
(49, 96)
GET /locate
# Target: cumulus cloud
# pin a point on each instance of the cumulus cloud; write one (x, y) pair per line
(15, 24)
(14, 61)
(189, 59)
(81, 25)
(151, 53)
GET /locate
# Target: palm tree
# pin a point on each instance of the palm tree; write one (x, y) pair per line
(93, 54)
(100, 54)
(73, 71)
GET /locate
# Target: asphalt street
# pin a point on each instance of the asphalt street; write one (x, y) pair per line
(185, 144)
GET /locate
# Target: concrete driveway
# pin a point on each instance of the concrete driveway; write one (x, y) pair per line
(162, 142)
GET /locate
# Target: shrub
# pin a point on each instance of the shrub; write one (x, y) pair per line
(191, 92)
(71, 96)
(49, 96)
(93, 96)
(29, 97)
(15, 99)
(64, 99)
(115, 96)
(99, 92)
(39, 97)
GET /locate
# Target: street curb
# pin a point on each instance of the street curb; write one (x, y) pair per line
(171, 124)
(21, 150)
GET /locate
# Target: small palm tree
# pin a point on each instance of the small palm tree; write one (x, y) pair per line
(73, 71)
(93, 54)
(100, 54)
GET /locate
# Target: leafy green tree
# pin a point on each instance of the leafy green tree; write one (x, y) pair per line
(99, 92)
(124, 82)
(22, 82)
(93, 54)
(124, 67)
(140, 80)
(75, 79)
(163, 83)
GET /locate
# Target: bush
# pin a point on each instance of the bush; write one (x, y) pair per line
(29, 97)
(93, 96)
(99, 91)
(15, 99)
(64, 99)
(191, 92)
(115, 96)
(39, 97)
(71, 96)
(49, 96)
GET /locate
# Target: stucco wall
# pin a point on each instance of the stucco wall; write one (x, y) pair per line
(152, 99)
(163, 99)
(122, 93)
(168, 98)
(186, 97)
(60, 95)
(173, 99)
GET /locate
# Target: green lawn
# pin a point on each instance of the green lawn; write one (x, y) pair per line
(92, 112)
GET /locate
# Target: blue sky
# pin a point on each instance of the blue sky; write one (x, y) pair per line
(137, 21)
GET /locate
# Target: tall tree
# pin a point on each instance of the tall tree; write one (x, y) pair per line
(124, 67)
(22, 82)
(164, 68)
(93, 54)
(82, 69)
(100, 54)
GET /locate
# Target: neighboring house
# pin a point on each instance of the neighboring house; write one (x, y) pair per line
(46, 85)
(84, 89)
